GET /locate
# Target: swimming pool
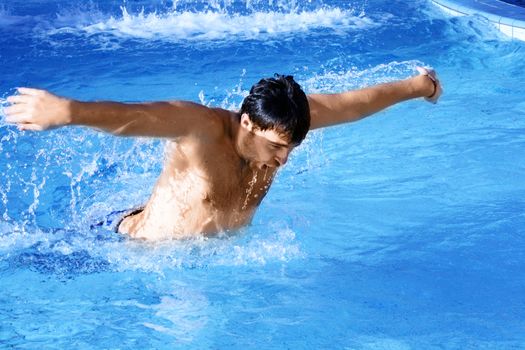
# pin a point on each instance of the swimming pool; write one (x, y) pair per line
(515, 2)
(402, 231)
(508, 16)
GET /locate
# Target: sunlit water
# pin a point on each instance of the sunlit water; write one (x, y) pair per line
(402, 231)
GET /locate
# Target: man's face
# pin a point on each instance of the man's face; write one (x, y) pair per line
(264, 148)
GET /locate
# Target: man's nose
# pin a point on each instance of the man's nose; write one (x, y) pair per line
(282, 158)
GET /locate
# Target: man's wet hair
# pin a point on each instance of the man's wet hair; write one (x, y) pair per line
(279, 104)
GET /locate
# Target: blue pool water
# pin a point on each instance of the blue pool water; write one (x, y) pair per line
(402, 231)
(516, 2)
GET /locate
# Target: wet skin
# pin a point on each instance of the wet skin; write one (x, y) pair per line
(210, 187)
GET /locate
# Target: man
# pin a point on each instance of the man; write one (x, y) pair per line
(219, 164)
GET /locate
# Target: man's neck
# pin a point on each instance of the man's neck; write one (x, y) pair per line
(235, 132)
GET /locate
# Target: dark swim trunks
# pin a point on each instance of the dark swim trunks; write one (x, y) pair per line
(115, 218)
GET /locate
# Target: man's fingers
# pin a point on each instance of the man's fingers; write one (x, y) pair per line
(29, 91)
(29, 126)
(18, 99)
(14, 109)
(17, 118)
(422, 70)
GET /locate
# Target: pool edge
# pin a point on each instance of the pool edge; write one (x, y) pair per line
(508, 18)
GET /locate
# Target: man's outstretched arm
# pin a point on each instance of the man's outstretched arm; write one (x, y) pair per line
(332, 109)
(34, 109)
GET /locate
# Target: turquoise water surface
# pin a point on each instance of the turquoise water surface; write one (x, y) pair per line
(401, 231)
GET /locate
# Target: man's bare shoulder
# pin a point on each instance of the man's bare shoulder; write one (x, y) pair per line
(198, 120)
(225, 120)
(215, 123)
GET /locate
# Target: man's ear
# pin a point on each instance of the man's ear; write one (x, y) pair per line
(246, 122)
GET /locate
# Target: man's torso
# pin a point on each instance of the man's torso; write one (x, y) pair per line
(204, 187)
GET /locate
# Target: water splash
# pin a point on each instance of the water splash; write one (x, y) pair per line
(69, 253)
(207, 24)
(334, 78)
(249, 190)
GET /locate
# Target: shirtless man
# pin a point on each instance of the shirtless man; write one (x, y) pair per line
(219, 164)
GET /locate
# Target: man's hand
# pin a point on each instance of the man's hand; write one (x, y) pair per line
(431, 77)
(34, 109)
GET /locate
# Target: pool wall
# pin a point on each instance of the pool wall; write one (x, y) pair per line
(508, 18)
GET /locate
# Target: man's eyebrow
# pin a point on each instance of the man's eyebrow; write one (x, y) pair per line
(279, 144)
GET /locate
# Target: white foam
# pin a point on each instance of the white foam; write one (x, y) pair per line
(208, 25)
(279, 245)
(247, 248)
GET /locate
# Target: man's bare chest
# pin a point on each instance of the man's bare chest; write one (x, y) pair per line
(217, 178)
